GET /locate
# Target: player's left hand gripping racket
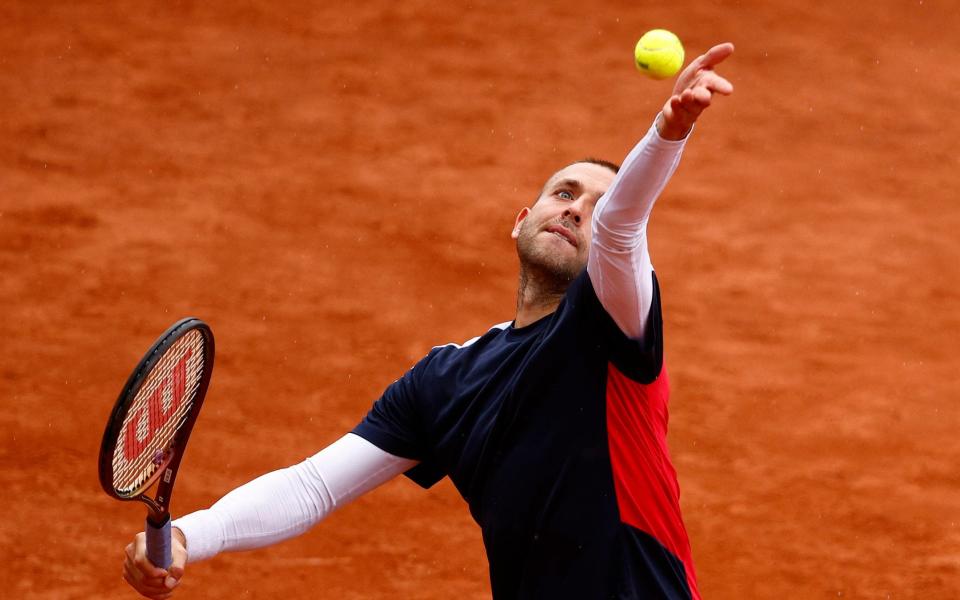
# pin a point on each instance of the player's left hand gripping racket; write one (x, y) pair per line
(150, 423)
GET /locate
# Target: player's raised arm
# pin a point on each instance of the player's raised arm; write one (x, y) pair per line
(272, 508)
(619, 262)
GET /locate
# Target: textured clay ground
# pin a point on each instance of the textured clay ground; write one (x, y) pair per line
(332, 189)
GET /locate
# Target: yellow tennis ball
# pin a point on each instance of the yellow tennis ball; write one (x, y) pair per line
(659, 54)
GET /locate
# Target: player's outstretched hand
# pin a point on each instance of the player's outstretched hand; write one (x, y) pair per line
(153, 582)
(693, 93)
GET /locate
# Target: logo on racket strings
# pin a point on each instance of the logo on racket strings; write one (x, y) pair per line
(154, 412)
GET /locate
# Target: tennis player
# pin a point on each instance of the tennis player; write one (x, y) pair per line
(552, 426)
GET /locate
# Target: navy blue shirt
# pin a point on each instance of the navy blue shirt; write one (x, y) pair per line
(555, 434)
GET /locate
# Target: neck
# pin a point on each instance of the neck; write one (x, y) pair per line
(537, 297)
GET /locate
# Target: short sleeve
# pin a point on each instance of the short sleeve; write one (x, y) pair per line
(641, 361)
(395, 424)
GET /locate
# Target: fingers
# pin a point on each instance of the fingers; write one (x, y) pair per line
(714, 56)
(179, 552)
(715, 83)
(151, 588)
(699, 94)
(700, 71)
(176, 569)
(684, 112)
(136, 553)
(147, 579)
(708, 80)
(179, 549)
(691, 102)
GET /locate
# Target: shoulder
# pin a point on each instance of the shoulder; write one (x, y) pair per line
(491, 333)
(442, 357)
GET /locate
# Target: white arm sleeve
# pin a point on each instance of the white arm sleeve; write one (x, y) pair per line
(285, 503)
(619, 263)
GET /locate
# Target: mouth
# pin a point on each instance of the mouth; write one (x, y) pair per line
(564, 233)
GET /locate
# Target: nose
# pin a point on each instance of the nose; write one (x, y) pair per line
(574, 212)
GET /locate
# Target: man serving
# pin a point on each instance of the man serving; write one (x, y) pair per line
(552, 426)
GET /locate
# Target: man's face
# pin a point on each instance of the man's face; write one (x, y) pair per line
(553, 237)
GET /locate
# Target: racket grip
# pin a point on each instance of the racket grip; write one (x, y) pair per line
(158, 544)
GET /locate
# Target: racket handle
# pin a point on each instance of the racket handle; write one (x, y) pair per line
(158, 543)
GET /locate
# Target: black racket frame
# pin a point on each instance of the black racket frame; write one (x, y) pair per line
(166, 474)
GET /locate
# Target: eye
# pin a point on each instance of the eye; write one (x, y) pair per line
(565, 194)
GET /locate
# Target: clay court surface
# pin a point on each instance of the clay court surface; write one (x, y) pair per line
(332, 189)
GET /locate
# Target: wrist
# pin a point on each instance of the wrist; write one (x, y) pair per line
(671, 131)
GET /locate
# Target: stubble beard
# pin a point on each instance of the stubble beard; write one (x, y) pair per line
(550, 272)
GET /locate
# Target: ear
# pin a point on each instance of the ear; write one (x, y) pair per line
(516, 226)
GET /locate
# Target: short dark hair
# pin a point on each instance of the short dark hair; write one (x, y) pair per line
(599, 161)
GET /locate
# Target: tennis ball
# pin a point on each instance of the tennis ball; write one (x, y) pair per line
(659, 54)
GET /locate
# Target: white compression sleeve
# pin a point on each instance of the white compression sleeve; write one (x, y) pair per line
(619, 262)
(285, 503)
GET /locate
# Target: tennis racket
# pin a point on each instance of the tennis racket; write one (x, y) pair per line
(150, 423)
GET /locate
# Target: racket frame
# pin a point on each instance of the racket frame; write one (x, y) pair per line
(166, 473)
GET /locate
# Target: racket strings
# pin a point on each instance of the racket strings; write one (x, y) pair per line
(162, 405)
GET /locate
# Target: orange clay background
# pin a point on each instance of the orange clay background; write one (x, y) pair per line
(332, 188)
